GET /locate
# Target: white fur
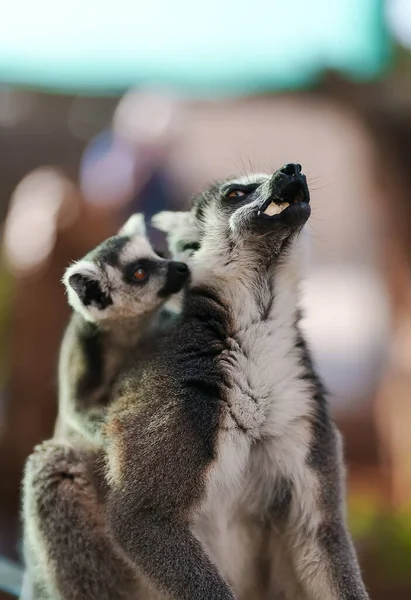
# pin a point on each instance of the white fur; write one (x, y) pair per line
(265, 431)
(271, 400)
(135, 225)
(250, 178)
(138, 247)
(179, 226)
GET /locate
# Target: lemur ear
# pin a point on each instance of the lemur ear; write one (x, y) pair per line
(135, 225)
(181, 232)
(84, 285)
(168, 220)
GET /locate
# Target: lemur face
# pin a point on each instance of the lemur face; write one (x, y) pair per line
(261, 212)
(123, 277)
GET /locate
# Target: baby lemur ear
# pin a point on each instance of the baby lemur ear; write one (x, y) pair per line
(85, 286)
(134, 226)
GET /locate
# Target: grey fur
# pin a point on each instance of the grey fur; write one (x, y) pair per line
(220, 447)
(64, 531)
(223, 466)
(99, 339)
(71, 553)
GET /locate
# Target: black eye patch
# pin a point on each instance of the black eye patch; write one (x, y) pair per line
(239, 191)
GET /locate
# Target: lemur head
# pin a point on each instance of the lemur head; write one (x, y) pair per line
(254, 220)
(123, 277)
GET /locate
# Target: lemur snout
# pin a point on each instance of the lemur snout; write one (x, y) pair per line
(179, 268)
(177, 275)
(291, 169)
(290, 185)
(288, 196)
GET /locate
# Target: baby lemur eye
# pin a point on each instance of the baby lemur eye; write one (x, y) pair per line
(236, 194)
(139, 274)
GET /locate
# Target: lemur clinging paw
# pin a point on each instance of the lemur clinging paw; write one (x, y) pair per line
(69, 550)
(116, 292)
(222, 459)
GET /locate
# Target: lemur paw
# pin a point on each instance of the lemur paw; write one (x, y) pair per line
(53, 462)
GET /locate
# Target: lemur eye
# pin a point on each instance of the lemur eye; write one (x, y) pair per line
(140, 274)
(236, 194)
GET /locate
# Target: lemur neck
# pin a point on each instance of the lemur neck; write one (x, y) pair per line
(127, 332)
(255, 296)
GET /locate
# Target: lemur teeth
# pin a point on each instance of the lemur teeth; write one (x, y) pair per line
(275, 209)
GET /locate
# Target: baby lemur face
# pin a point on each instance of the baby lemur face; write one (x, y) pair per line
(123, 277)
(263, 213)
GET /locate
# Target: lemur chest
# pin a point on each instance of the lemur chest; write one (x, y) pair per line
(260, 448)
(264, 388)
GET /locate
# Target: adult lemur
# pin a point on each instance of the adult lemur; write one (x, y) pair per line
(224, 468)
(115, 292)
(220, 448)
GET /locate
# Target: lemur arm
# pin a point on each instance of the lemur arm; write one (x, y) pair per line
(84, 385)
(69, 552)
(317, 538)
(157, 458)
(166, 552)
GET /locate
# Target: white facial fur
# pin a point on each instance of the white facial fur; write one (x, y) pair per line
(128, 299)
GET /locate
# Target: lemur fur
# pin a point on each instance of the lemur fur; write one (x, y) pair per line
(224, 467)
(112, 310)
(224, 464)
(116, 292)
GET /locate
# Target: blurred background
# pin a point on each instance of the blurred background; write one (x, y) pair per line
(111, 107)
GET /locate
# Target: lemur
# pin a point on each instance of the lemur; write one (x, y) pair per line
(224, 468)
(116, 292)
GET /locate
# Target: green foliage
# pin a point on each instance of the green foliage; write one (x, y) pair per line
(386, 537)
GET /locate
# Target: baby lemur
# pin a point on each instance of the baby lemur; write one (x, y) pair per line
(224, 469)
(115, 292)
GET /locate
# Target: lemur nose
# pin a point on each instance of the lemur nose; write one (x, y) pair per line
(291, 169)
(180, 268)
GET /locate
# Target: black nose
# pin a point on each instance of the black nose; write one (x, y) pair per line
(291, 169)
(177, 275)
(180, 268)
